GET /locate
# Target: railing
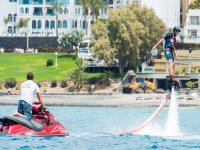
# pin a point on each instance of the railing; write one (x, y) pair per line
(99, 64)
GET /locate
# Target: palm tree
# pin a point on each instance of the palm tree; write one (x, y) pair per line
(95, 6)
(6, 20)
(85, 5)
(56, 9)
(23, 22)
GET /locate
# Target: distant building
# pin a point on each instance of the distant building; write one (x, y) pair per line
(42, 17)
(167, 10)
(192, 28)
(183, 10)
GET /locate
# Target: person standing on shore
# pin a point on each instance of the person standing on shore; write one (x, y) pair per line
(170, 51)
(27, 92)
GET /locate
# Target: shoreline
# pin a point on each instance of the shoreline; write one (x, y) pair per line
(106, 100)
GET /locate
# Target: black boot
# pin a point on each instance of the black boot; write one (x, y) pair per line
(174, 83)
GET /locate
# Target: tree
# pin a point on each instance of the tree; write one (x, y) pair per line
(23, 22)
(78, 76)
(107, 78)
(85, 6)
(5, 20)
(70, 40)
(56, 8)
(95, 6)
(154, 28)
(100, 45)
(195, 4)
(127, 31)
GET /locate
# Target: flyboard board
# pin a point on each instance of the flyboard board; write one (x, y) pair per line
(144, 124)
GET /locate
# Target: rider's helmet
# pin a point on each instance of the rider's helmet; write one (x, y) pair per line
(176, 29)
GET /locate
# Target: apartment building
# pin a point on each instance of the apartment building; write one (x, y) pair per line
(192, 28)
(167, 10)
(42, 18)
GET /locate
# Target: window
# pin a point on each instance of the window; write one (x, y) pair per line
(14, 17)
(21, 10)
(59, 24)
(24, 2)
(27, 10)
(76, 2)
(37, 1)
(84, 24)
(192, 33)
(194, 20)
(64, 24)
(60, 11)
(14, 29)
(65, 11)
(74, 24)
(9, 18)
(39, 24)
(80, 24)
(46, 24)
(110, 2)
(33, 24)
(37, 11)
(9, 29)
(50, 12)
(52, 24)
(12, 0)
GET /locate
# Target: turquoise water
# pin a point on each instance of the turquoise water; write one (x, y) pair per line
(97, 128)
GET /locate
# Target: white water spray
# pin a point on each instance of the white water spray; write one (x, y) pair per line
(172, 125)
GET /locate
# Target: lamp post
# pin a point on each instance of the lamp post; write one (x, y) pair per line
(56, 53)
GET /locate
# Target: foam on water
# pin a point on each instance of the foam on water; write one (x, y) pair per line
(172, 125)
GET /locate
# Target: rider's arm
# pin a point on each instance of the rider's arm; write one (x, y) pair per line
(160, 41)
(40, 99)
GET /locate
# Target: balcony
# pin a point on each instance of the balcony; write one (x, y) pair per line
(37, 2)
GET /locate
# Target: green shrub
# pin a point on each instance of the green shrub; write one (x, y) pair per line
(10, 83)
(53, 83)
(42, 49)
(64, 83)
(192, 84)
(49, 62)
(94, 80)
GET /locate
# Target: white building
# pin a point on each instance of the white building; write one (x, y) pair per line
(42, 18)
(167, 10)
(192, 28)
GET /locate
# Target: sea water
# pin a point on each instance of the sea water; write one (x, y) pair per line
(98, 128)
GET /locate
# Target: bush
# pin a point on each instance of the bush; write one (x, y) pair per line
(42, 49)
(64, 83)
(10, 83)
(192, 84)
(94, 80)
(50, 62)
(53, 83)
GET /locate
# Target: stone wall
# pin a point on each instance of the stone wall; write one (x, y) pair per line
(11, 43)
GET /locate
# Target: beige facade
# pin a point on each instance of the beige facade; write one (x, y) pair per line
(183, 11)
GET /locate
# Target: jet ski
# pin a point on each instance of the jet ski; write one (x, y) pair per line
(43, 123)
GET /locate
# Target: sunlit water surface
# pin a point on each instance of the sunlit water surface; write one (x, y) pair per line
(98, 128)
